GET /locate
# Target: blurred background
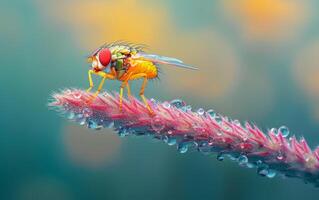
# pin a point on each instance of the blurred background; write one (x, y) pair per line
(258, 61)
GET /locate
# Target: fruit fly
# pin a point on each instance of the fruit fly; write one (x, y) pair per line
(125, 62)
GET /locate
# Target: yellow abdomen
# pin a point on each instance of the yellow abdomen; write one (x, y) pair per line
(139, 67)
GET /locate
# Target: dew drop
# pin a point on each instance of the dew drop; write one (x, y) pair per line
(82, 121)
(236, 122)
(122, 132)
(171, 141)
(67, 91)
(280, 156)
(262, 171)
(77, 95)
(177, 103)
(271, 173)
(153, 101)
(93, 125)
(79, 116)
(187, 108)
(211, 113)
(111, 125)
(231, 157)
(242, 160)
(220, 157)
(250, 165)
(157, 124)
(182, 147)
(284, 131)
(71, 115)
(165, 138)
(200, 111)
(219, 132)
(259, 162)
(87, 112)
(274, 130)
(166, 105)
(218, 119)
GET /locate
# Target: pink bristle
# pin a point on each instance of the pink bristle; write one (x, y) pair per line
(247, 144)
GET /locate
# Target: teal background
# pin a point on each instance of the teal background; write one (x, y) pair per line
(267, 75)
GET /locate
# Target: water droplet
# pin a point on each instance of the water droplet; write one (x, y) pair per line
(200, 111)
(250, 165)
(87, 112)
(171, 141)
(211, 113)
(274, 130)
(122, 132)
(280, 156)
(226, 127)
(259, 163)
(220, 157)
(82, 121)
(219, 132)
(271, 173)
(284, 131)
(93, 125)
(218, 119)
(166, 105)
(79, 116)
(187, 108)
(77, 95)
(178, 103)
(231, 157)
(67, 91)
(263, 170)
(157, 124)
(236, 122)
(182, 147)
(242, 160)
(71, 115)
(165, 138)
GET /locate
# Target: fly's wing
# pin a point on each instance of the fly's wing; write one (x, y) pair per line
(163, 60)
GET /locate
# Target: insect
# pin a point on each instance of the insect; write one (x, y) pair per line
(125, 61)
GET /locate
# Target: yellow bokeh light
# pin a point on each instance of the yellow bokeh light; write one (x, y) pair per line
(267, 20)
(95, 22)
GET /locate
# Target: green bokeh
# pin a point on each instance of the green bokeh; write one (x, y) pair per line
(37, 58)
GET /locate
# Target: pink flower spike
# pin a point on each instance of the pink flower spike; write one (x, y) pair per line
(207, 132)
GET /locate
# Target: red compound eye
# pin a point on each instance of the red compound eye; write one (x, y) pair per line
(105, 56)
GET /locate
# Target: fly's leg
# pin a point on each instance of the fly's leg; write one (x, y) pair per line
(143, 97)
(90, 80)
(144, 76)
(104, 76)
(100, 87)
(121, 95)
(128, 90)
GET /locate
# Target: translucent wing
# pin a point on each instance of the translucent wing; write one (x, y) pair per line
(163, 60)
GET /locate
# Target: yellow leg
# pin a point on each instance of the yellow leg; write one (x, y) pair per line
(90, 80)
(121, 98)
(102, 74)
(128, 90)
(100, 87)
(143, 97)
(125, 83)
(144, 76)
